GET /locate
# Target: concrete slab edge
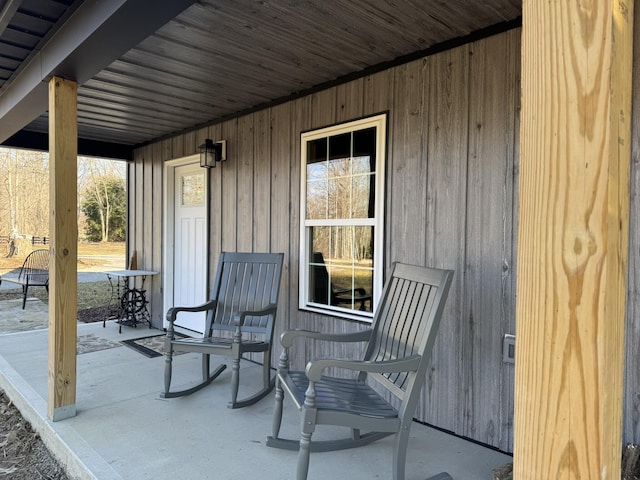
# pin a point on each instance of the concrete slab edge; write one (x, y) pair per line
(80, 461)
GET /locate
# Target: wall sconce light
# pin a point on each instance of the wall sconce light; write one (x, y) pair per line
(211, 153)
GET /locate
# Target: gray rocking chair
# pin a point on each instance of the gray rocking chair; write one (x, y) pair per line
(396, 358)
(243, 304)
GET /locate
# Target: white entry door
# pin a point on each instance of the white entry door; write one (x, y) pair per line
(190, 244)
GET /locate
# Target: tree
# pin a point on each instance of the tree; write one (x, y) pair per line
(104, 205)
(24, 194)
(24, 203)
(101, 187)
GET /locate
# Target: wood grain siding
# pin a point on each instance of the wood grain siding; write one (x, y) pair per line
(215, 198)
(147, 219)
(489, 306)
(510, 281)
(262, 208)
(300, 122)
(408, 164)
(244, 208)
(276, 207)
(446, 195)
(229, 189)
(349, 100)
(451, 185)
(632, 372)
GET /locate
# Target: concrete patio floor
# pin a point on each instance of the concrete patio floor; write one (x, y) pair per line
(124, 430)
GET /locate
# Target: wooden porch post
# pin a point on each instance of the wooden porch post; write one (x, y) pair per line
(63, 226)
(572, 239)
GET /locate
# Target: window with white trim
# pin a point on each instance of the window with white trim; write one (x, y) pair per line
(342, 205)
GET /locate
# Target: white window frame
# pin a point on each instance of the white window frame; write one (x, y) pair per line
(380, 123)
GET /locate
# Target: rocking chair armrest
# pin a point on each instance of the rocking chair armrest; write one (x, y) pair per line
(173, 311)
(314, 368)
(287, 338)
(240, 316)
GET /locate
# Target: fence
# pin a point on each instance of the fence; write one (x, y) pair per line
(39, 240)
(8, 247)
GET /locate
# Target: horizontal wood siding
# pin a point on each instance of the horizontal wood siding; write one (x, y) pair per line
(451, 193)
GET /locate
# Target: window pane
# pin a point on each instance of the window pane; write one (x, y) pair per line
(364, 168)
(363, 247)
(339, 198)
(363, 165)
(317, 193)
(339, 185)
(339, 167)
(317, 199)
(340, 146)
(317, 151)
(362, 196)
(364, 143)
(317, 172)
(318, 279)
(320, 240)
(351, 288)
(341, 267)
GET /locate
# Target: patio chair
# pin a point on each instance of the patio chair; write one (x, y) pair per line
(240, 319)
(34, 272)
(396, 358)
(323, 291)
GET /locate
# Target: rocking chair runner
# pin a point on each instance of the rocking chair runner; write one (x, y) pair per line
(243, 303)
(397, 356)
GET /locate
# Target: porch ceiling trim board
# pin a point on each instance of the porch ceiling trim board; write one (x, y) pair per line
(572, 241)
(93, 37)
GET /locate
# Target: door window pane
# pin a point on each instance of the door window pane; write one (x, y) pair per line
(192, 189)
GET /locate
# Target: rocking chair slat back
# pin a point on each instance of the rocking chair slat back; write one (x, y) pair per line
(401, 325)
(244, 284)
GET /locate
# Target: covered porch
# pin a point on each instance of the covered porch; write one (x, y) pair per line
(124, 430)
(509, 158)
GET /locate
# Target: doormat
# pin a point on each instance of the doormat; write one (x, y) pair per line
(91, 343)
(150, 346)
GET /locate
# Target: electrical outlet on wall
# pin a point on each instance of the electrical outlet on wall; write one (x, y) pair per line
(509, 348)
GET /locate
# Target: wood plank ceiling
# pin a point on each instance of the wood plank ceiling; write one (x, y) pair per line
(220, 58)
